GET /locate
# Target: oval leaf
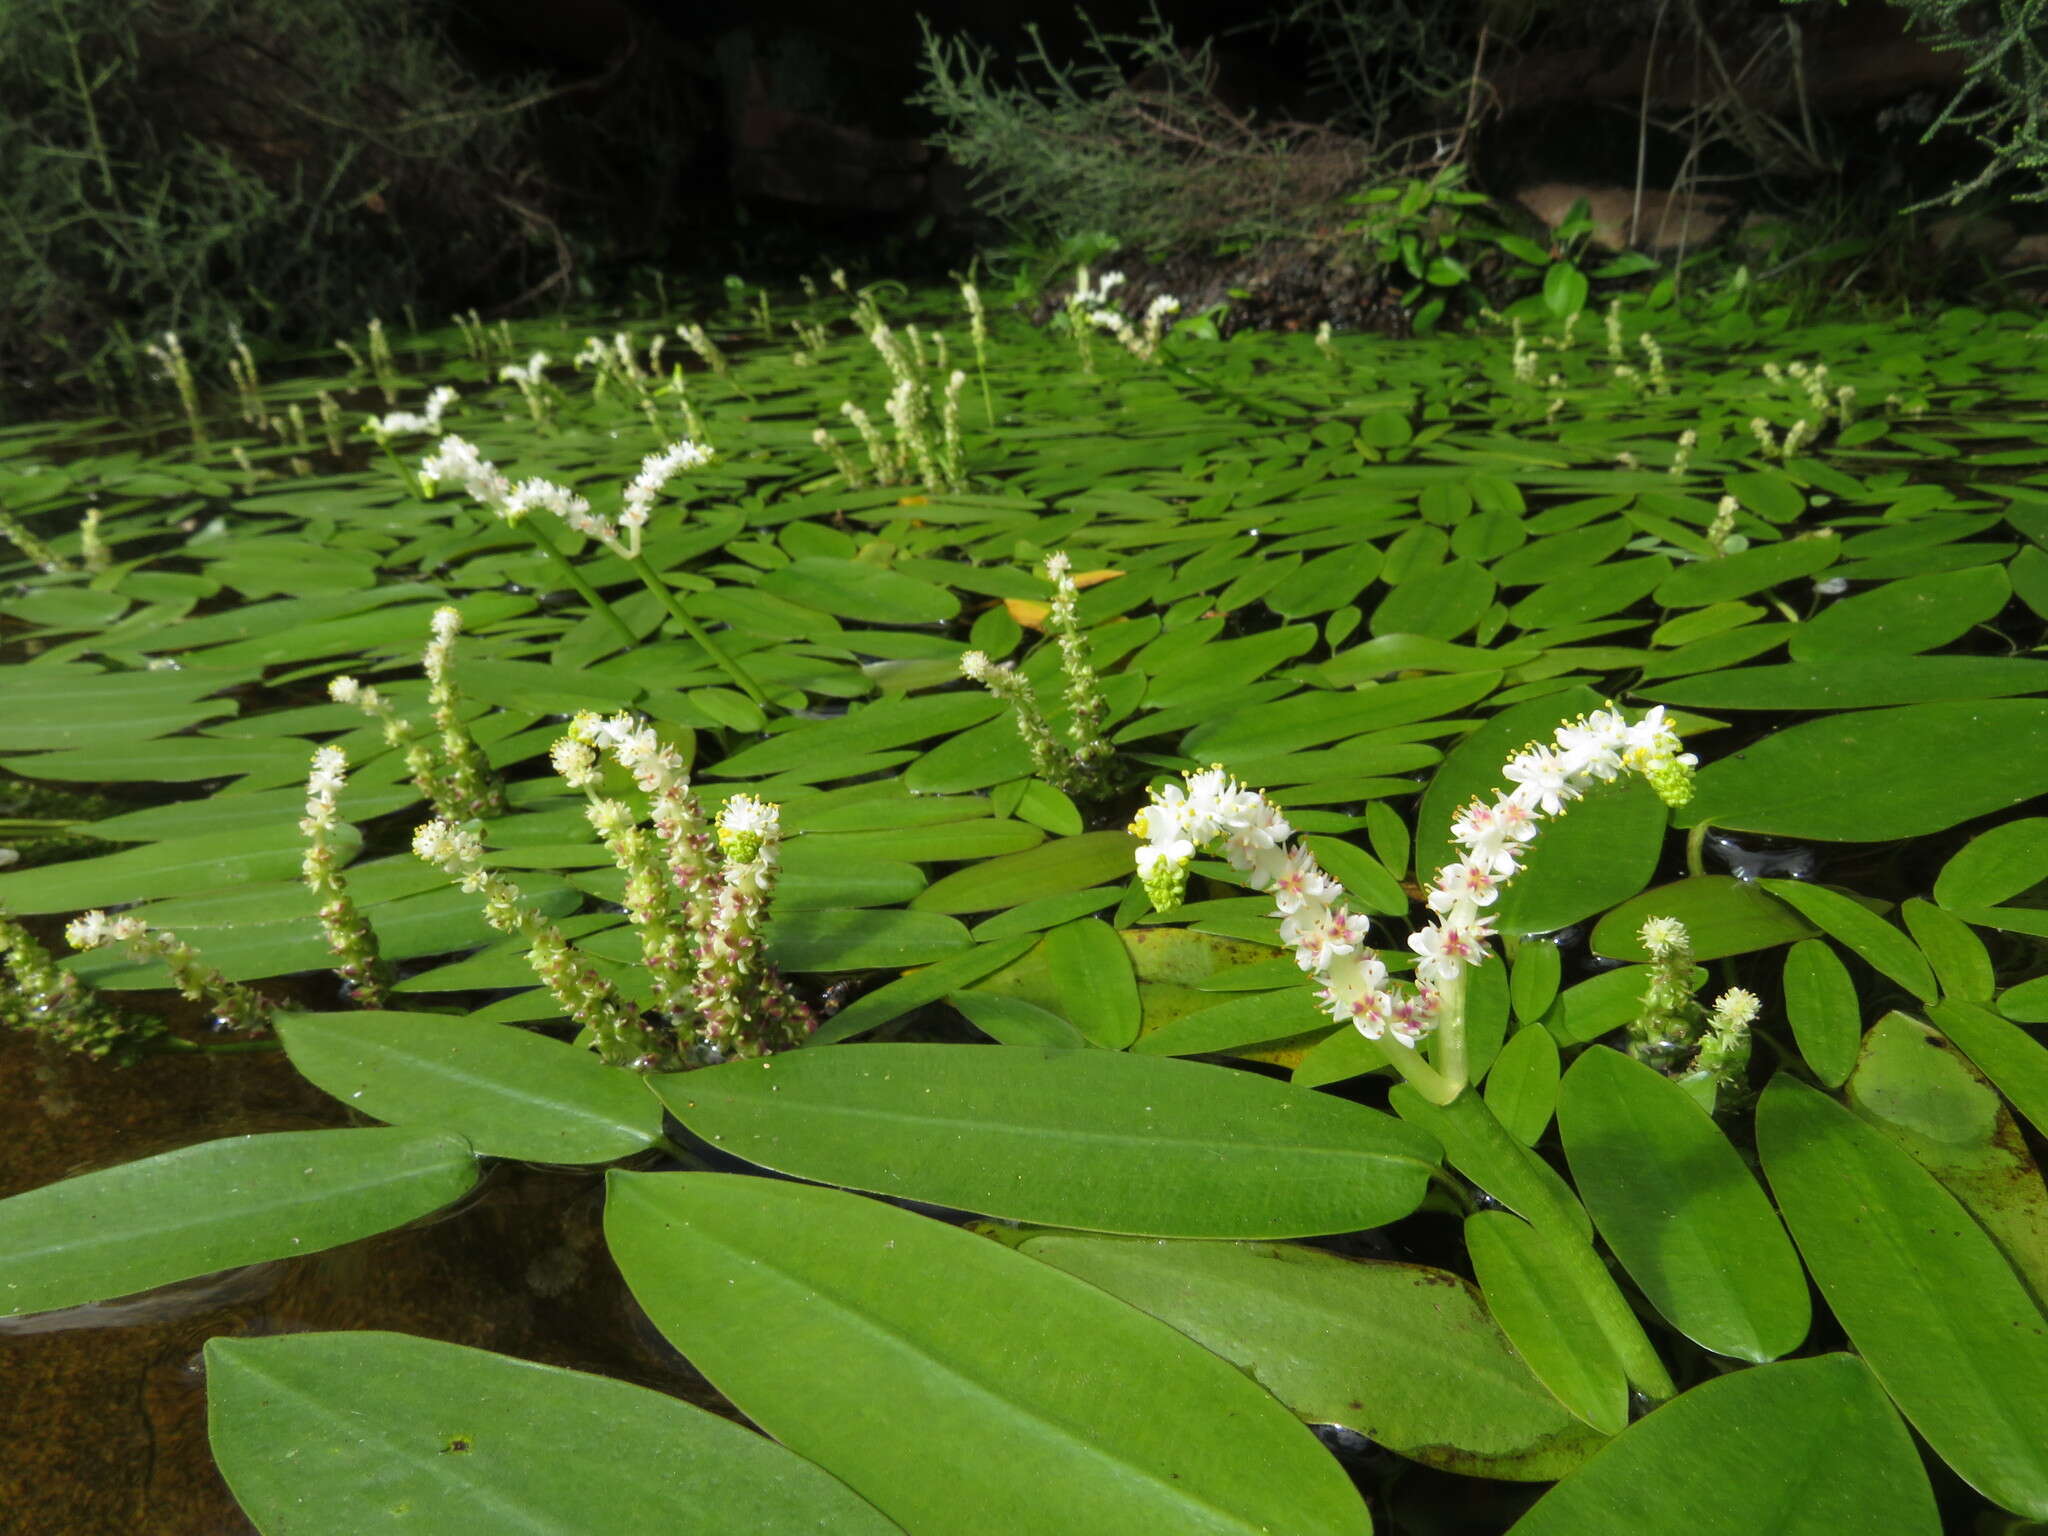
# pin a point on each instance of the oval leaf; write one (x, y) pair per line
(1805, 1448)
(1876, 774)
(1400, 1352)
(1675, 1202)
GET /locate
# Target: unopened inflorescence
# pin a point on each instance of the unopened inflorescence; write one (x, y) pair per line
(350, 938)
(1088, 769)
(1212, 810)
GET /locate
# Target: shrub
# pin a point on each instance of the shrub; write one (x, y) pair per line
(282, 166)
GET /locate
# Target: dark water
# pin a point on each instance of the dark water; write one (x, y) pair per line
(103, 1410)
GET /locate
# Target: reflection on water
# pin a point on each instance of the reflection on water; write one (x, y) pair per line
(102, 1408)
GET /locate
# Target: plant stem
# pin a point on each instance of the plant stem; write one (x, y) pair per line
(1451, 1059)
(1695, 849)
(696, 631)
(575, 579)
(1419, 1074)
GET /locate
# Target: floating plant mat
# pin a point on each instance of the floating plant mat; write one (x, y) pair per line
(1359, 579)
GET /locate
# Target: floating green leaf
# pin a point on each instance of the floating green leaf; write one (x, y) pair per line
(1801, 1448)
(879, 1365)
(1089, 1139)
(1894, 1255)
(218, 1204)
(511, 1093)
(1674, 1201)
(1400, 1352)
(328, 1433)
(1881, 773)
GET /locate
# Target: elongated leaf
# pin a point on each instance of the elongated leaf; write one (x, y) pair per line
(1054, 868)
(326, 1434)
(1094, 979)
(2003, 1052)
(1820, 1005)
(1481, 1148)
(1887, 951)
(859, 1336)
(1877, 774)
(239, 1200)
(857, 938)
(1521, 1086)
(893, 999)
(1896, 1257)
(1534, 1296)
(1723, 915)
(1802, 1448)
(510, 1092)
(1089, 1139)
(175, 867)
(1399, 1352)
(1680, 1210)
(1995, 866)
(1925, 1095)
(1961, 963)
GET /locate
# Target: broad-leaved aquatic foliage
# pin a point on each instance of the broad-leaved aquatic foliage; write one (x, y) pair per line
(1694, 1142)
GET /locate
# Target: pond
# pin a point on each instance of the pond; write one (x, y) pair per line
(869, 930)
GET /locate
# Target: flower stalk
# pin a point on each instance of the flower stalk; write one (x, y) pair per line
(41, 995)
(350, 937)
(470, 785)
(584, 995)
(232, 1005)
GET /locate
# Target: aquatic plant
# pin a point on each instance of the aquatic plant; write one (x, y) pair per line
(1684, 1241)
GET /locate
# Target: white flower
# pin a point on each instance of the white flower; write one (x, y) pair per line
(442, 842)
(1443, 952)
(1455, 883)
(547, 496)
(655, 472)
(447, 623)
(329, 774)
(1735, 1009)
(1543, 782)
(457, 459)
(94, 928)
(746, 826)
(1301, 880)
(576, 762)
(1664, 937)
(344, 690)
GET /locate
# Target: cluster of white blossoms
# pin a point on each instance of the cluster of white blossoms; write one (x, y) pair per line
(1141, 344)
(396, 422)
(1492, 836)
(456, 460)
(656, 470)
(697, 895)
